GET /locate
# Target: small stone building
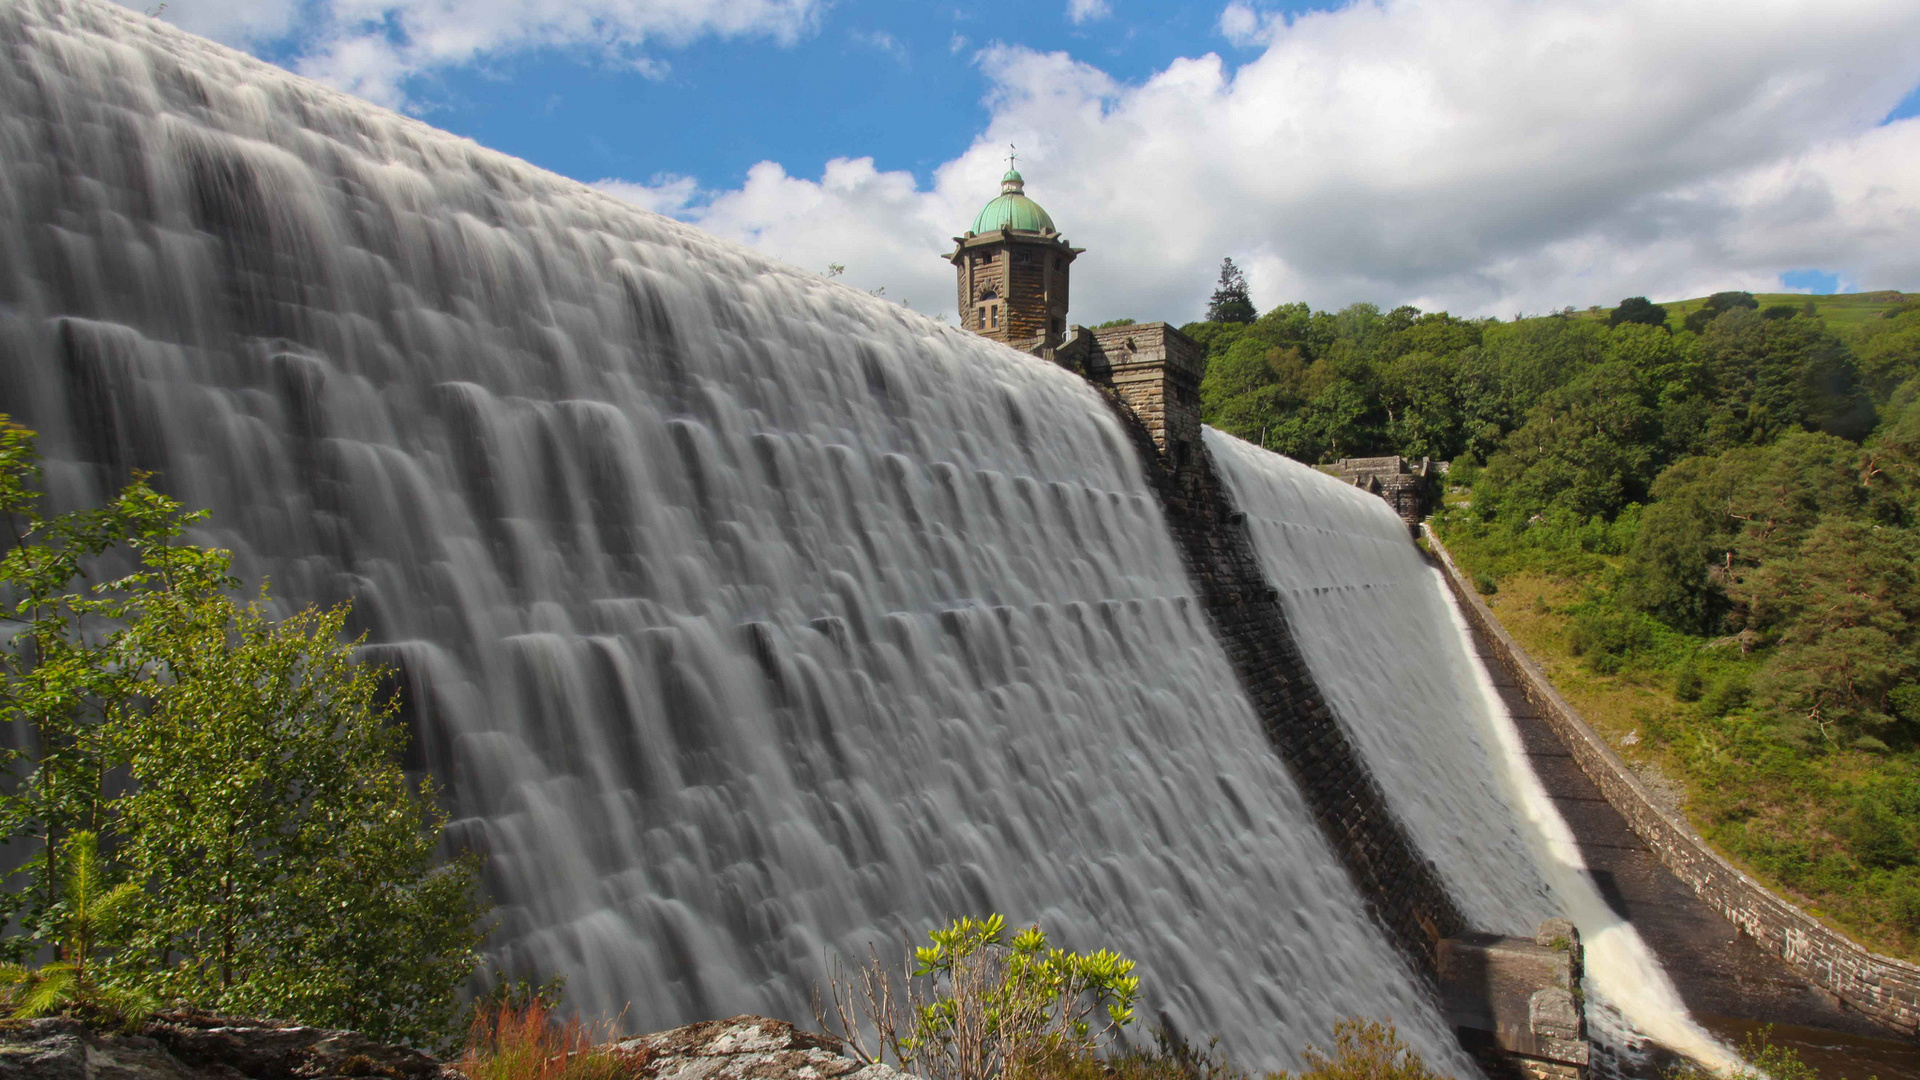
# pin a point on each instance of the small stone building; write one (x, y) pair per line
(1407, 487)
(1012, 270)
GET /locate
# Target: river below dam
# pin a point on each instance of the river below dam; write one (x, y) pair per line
(748, 620)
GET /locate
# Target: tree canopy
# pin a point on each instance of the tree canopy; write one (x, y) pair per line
(235, 778)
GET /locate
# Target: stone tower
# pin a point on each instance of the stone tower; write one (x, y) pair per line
(1012, 269)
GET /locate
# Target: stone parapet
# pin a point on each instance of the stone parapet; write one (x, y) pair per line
(1878, 986)
(1408, 487)
(1518, 1002)
(1155, 371)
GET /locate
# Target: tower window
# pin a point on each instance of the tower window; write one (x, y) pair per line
(993, 313)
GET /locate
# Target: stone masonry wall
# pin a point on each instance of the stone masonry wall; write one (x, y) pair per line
(1403, 891)
(1879, 986)
(1155, 370)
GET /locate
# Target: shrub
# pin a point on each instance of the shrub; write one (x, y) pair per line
(977, 1004)
(1688, 683)
(91, 917)
(1728, 691)
(1874, 834)
(524, 1042)
(1609, 640)
(1363, 1050)
(1764, 1061)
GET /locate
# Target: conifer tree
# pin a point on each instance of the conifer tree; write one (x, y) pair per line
(1231, 302)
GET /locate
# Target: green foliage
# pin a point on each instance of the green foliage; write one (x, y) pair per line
(1764, 1060)
(291, 866)
(241, 773)
(1230, 302)
(1363, 1050)
(91, 917)
(72, 583)
(1024, 998)
(1638, 309)
(1111, 323)
(977, 1004)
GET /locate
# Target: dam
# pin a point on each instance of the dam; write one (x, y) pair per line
(748, 620)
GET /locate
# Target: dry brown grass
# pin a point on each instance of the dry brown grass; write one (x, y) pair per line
(527, 1042)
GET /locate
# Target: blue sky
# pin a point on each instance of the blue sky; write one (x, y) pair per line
(897, 82)
(1484, 156)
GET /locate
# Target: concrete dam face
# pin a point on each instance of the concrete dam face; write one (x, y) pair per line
(747, 619)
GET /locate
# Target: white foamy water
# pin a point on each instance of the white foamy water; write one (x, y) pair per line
(747, 618)
(1385, 643)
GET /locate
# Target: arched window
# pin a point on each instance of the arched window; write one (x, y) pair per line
(987, 312)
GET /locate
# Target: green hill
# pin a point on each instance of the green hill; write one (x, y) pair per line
(1838, 310)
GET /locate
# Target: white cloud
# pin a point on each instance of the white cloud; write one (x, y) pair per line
(1084, 11)
(373, 47)
(1242, 25)
(884, 42)
(1487, 156)
(664, 194)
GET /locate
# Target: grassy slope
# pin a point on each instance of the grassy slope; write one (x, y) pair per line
(1840, 310)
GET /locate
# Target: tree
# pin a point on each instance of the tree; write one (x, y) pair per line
(288, 865)
(74, 583)
(241, 774)
(1638, 309)
(1587, 447)
(1230, 302)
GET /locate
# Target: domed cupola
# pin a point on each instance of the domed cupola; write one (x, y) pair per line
(1013, 210)
(1011, 268)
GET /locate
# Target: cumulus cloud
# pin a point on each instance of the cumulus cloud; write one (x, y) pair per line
(373, 47)
(1085, 11)
(1486, 156)
(1242, 25)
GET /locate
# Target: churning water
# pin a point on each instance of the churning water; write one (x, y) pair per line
(1380, 632)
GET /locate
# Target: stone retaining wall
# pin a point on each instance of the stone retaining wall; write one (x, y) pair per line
(1879, 986)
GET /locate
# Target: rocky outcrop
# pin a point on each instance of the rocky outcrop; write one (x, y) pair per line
(747, 1048)
(199, 1046)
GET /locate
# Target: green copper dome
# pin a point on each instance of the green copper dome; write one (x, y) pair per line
(1013, 210)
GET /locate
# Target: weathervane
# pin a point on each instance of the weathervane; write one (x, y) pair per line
(1010, 157)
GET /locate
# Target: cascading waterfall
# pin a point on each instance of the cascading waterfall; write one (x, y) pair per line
(1378, 629)
(747, 618)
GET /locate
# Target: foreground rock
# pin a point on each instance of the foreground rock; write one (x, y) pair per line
(199, 1046)
(747, 1048)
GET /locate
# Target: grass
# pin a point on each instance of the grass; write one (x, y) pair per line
(524, 1041)
(1826, 827)
(1839, 310)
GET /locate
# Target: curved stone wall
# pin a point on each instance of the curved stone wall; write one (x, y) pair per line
(1879, 986)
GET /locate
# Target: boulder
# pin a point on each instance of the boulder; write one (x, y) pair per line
(747, 1048)
(192, 1045)
(187, 1045)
